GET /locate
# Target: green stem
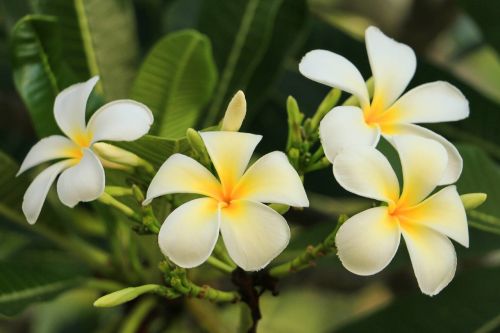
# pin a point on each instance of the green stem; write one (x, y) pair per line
(220, 265)
(306, 259)
(135, 318)
(118, 191)
(321, 164)
(326, 105)
(109, 200)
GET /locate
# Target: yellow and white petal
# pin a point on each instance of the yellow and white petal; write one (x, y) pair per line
(83, 181)
(345, 127)
(35, 195)
(122, 120)
(367, 242)
(70, 106)
(433, 258)
(49, 148)
(442, 212)
(423, 162)
(230, 153)
(189, 234)
(272, 179)
(335, 71)
(393, 65)
(366, 172)
(253, 233)
(182, 174)
(455, 163)
(431, 103)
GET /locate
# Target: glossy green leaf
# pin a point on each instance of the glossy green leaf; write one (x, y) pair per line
(481, 174)
(176, 81)
(241, 32)
(40, 69)
(99, 39)
(485, 15)
(25, 282)
(155, 149)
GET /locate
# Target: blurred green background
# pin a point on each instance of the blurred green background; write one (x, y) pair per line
(254, 45)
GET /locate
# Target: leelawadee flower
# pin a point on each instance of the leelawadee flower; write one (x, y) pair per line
(233, 203)
(368, 241)
(81, 172)
(393, 65)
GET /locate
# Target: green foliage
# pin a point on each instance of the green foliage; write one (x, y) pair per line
(241, 32)
(484, 13)
(26, 282)
(99, 39)
(176, 80)
(466, 305)
(40, 68)
(481, 174)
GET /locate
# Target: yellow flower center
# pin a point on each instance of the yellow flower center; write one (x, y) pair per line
(83, 140)
(376, 114)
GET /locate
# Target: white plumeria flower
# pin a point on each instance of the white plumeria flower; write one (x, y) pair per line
(393, 65)
(368, 241)
(82, 174)
(253, 233)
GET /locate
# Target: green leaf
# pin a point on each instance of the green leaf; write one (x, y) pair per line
(11, 188)
(99, 39)
(484, 13)
(155, 149)
(467, 304)
(25, 282)
(40, 69)
(481, 174)
(241, 32)
(176, 81)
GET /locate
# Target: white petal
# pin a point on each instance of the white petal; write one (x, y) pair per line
(272, 179)
(335, 71)
(367, 242)
(431, 103)
(49, 148)
(182, 174)
(345, 127)
(253, 233)
(188, 235)
(122, 120)
(37, 191)
(82, 182)
(230, 153)
(393, 65)
(433, 258)
(455, 162)
(366, 172)
(423, 162)
(444, 213)
(70, 105)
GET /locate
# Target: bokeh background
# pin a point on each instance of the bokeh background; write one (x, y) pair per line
(256, 46)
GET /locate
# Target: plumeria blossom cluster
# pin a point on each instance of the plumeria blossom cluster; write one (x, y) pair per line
(368, 241)
(231, 196)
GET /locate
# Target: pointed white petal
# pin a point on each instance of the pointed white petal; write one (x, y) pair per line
(367, 242)
(37, 191)
(335, 71)
(433, 258)
(122, 120)
(49, 148)
(345, 127)
(188, 235)
(70, 105)
(444, 213)
(182, 174)
(230, 153)
(272, 179)
(366, 172)
(253, 233)
(82, 182)
(423, 162)
(393, 65)
(431, 103)
(455, 162)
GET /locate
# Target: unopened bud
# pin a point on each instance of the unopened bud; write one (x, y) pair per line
(473, 200)
(125, 295)
(235, 113)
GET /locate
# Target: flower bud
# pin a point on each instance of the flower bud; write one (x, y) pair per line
(473, 200)
(235, 113)
(124, 295)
